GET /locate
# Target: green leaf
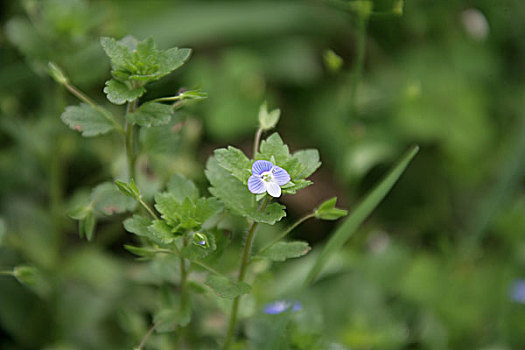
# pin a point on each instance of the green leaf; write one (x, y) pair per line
(160, 232)
(119, 93)
(226, 288)
(108, 199)
(33, 278)
(307, 163)
(274, 150)
(118, 52)
(328, 211)
(172, 59)
(234, 160)
(130, 190)
(86, 120)
(285, 250)
(57, 74)
(237, 197)
(151, 114)
(268, 120)
(133, 61)
(182, 188)
(361, 212)
(88, 225)
(207, 208)
(138, 225)
(144, 253)
(167, 320)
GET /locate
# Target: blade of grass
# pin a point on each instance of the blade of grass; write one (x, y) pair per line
(361, 212)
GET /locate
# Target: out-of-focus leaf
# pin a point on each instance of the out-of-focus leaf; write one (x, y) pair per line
(107, 199)
(86, 119)
(151, 114)
(328, 211)
(268, 120)
(226, 288)
(282, 251)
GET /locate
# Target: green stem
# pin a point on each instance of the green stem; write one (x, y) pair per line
(257, 141)
(146, 337)
(148, 209)
(245, 260)
(83, 97)
(130, 149)
(6, 273)
(360, 61)
(286, 232)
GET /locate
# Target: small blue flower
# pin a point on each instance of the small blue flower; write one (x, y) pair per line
(267, 177)
(280, 306)
(517, 291)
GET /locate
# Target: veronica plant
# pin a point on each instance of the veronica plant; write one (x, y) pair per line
(134, 65)
(189, 227)
(185, 226)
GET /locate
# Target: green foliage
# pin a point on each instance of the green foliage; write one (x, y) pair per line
(135, 63)
(130, 190)
(300, 165)
(361, 212)
(226, 288)
(119, 92)
(151, 114)
(237, 197)
(328, 211)
(234, 161)
(167, 320)
(87, 120)
(107, 199)
(268, 120)
(282, 251)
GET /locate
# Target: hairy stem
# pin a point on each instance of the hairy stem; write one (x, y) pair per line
(146, 337)
(257, 141)
(148, 209)
(245, 261)
(130, 147)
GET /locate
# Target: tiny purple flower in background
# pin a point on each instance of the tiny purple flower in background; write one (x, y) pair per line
(517, 291)
(267, 177)
(280, 306)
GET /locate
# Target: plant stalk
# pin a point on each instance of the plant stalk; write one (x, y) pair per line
(257, 141)
(245, 261)
(130, 148)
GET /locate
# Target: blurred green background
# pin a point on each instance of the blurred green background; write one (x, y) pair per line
(433, 268)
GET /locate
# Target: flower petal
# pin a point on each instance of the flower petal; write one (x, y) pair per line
(280, 175)
(256, 185)
(260, 166)
(276, 307)
(273, 189)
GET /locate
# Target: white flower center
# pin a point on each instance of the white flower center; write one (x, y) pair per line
(267, 176)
